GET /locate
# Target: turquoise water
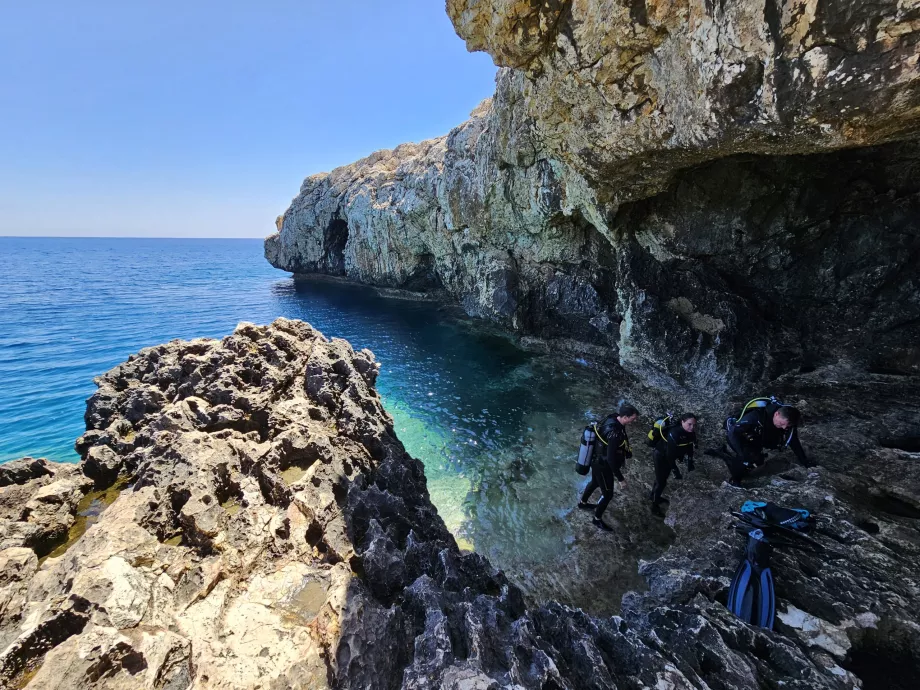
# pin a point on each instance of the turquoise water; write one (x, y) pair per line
(496, 427)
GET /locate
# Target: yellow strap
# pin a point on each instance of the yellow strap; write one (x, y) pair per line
(766, 401)
(599, 435)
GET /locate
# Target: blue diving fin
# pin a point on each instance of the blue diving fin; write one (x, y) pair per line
(767, 602)
(751, 596)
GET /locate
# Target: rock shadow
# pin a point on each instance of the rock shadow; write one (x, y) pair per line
(886, 656)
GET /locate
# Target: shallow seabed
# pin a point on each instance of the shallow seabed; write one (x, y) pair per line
(496, 427)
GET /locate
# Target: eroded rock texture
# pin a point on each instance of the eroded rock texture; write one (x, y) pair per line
(639, 182)
(275, 534)
(627, 92)
(38, 502)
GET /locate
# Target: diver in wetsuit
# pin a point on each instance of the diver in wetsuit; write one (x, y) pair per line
(764, 424)
(608, 462)
(676, 442)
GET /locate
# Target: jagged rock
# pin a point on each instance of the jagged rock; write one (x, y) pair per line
(638, 183)
(294, 545)
(21, 471)
(17, 566)
(153, 660)
(101, 464)
(39, 507)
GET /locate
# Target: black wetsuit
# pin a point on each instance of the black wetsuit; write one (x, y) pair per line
(608, 463)
(676, 444)
(749, 436)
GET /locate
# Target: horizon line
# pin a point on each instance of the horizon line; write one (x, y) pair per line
(129, 237)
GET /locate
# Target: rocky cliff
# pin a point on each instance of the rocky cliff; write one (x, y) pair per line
(712, 192)
(272, 532)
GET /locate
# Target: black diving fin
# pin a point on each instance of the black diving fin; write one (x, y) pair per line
(751, 596)
(779, 535)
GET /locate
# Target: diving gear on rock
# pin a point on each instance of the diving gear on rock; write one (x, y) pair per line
(751, 595)
(798, 519)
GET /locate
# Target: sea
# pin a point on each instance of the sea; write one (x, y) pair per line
(496, 427)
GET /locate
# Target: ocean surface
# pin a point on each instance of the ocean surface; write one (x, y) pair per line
(496, 427)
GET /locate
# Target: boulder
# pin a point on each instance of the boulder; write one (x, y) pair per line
(21, 471)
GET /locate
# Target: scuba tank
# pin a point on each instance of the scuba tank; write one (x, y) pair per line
(586, 450)
(658, 428)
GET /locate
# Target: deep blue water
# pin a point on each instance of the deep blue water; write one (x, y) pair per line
(496, 427)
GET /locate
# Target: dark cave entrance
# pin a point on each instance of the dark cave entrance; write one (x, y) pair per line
(886, 658)
(883, 500)
(424, 277)
(334, 240)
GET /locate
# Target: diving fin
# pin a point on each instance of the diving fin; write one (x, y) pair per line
(792, 536)
(795, 518)
(751, 596)
(740, 594)
(767, 609)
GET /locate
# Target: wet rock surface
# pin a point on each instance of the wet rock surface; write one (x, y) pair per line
(276, 534)
(712, 193)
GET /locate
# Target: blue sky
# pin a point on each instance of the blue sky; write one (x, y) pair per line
(201, 119)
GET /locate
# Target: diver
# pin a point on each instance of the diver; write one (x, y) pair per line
(671, 441)
(764, 424)
(609, 460)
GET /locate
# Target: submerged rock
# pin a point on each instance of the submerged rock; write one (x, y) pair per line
(219, 567)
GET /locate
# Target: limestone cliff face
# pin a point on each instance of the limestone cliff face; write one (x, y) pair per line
(627, 92)
(479, 218)
(707, 190)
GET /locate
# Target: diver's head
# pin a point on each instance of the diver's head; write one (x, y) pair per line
(688, 422)
(786, 417)
(627, 414)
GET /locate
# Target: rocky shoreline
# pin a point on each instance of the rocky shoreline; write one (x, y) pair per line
(274, 533)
